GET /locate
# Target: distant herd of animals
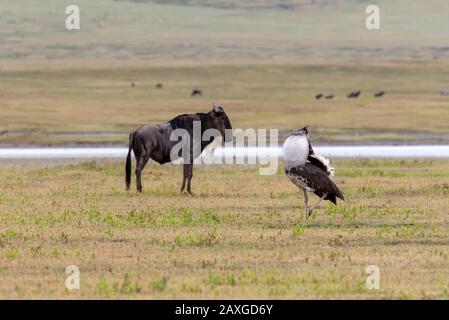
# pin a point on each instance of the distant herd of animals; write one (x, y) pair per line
(195, 92)
(307, 170)
(350, 95)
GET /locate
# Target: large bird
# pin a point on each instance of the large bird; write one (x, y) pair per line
(308, 171)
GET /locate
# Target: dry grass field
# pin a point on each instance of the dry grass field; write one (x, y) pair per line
(264, 60)
(39, 99)
(240, 236)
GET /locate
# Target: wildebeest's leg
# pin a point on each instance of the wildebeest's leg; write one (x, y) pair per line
(143, 160)
(139, 160)
(184, 176)
(189, 177)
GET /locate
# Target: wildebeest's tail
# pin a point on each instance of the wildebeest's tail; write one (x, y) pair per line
(128, 162)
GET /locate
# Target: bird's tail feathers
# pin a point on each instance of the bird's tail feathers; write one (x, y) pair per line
(326, 163)
(336, 194)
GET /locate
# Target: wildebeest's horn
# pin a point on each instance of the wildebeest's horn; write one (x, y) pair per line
(217, 108)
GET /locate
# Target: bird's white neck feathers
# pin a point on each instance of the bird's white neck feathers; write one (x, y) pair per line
(296, 150)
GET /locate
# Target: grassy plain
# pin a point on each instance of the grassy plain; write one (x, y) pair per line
(39, 99)
(241, 236)
(263, 60)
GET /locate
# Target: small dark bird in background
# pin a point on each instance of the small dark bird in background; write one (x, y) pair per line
(159, 86)
(330, 96)
(318, 96)
(196, 92)
(445, 93)
(379, 94)
(133, 84)
(354, 94)
(309, 171)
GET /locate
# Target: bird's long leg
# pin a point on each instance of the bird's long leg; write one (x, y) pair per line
(316, 204)
(306, 200)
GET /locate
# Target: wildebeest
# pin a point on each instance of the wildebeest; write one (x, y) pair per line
(319, 96)
(445, 93)
(159, 86)
(330, 96)
(379, 94)
(196, 92)
(156, 142)
(354, 94)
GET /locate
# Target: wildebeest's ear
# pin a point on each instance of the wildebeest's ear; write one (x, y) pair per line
(216, 108)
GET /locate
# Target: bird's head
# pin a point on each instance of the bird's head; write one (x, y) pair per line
(300, 132)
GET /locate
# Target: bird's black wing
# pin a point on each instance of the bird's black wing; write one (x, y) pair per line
(310, 150)
(315, 161)
(318, 180)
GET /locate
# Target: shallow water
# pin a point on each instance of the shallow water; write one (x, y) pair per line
(384, 151)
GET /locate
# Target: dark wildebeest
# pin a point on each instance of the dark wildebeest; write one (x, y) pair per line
(157, 141)
(379, 94)
(331, 96)
(319, 96)
(354, 94)
(196, 92)
(159, 86)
